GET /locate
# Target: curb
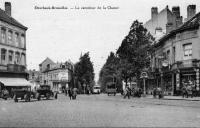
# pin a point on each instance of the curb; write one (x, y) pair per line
(175, 99)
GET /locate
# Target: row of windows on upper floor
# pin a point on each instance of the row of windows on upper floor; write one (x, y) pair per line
(187, 54)
(11, 57)
(12, 38)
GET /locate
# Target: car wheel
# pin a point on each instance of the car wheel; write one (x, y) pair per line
(47, 96)
(15, 98)
(26, 97)
(38, 96)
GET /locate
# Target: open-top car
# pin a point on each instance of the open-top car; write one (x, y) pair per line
(45, 91)
(23, 93)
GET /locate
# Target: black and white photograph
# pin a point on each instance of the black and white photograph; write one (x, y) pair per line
(99, 63)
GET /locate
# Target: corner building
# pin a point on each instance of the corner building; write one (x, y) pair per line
(12, 51)
(175, 61)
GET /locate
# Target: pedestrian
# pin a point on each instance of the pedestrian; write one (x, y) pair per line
(160, 95)
(154, 92)
(127, 92)
(184, 92)
(189, 90)
(70, 93)
(74, 93)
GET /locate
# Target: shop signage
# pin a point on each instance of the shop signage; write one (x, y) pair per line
(177, 81)
(165, 63)
(63, 76)
(144, 75)
(197, 79)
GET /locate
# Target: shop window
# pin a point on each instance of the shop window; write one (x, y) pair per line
(3, 56)
(9, 37)
(3, 35)
(187, 49)
(10, 57)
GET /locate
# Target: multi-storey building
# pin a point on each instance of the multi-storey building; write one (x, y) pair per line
(12, 50)
(166, 20)
(57, 75)
(176, 60)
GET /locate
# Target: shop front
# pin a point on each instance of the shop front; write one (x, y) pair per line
(186, 75)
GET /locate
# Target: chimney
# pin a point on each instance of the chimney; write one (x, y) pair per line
(191, 11)
(8, 8)
(176, 11)
(154, 12)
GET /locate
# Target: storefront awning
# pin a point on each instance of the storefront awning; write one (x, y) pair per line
(15, 82)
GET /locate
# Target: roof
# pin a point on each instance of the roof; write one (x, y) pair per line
(193, 23)
(47, 59)
(8, 19)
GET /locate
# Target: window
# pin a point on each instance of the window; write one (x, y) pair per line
(187, 49)
(23, 41)
(3, 56)
(17, 39)
(10, 57)
(174, 54)
(9, 37)
(17, 58)
(3, 35)
(23, 59)
(168, 55)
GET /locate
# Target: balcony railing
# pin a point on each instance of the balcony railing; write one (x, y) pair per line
(16, 68)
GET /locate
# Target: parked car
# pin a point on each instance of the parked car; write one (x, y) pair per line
(22, 93)
(44, 91)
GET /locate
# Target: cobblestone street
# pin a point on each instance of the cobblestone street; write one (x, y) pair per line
(100, 111)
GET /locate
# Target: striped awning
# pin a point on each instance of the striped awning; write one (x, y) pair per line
(15, 82)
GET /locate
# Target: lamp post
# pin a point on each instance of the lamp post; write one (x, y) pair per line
(144, 76)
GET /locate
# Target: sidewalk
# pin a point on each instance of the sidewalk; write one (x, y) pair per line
(175, 98)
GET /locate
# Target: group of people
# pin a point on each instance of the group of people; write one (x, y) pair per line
(127, 92)
(158, 92)
(187, 91)
(72, 93)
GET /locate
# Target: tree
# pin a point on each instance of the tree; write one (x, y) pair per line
(109, 72)
(84, 72)
(133, 52)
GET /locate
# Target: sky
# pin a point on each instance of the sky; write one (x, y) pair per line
(63, 34)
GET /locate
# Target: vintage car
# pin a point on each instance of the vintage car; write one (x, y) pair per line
(44, 91)
(111, 88)
(96, 89)
(23, 93)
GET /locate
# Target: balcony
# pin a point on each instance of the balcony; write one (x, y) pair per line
(16, 68)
